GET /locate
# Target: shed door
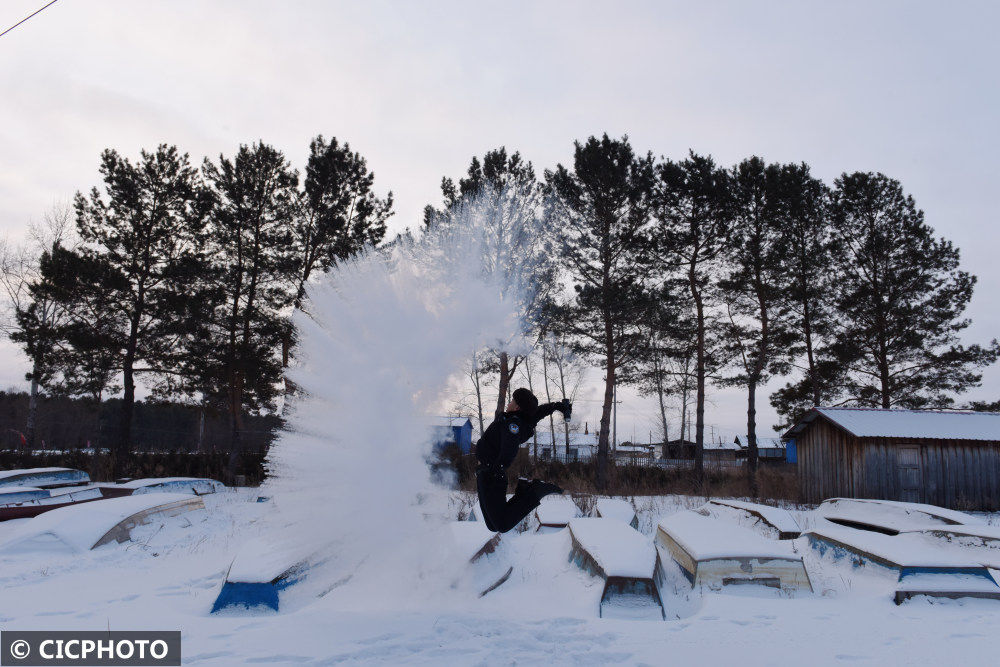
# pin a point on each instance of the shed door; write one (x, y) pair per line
(910, 475)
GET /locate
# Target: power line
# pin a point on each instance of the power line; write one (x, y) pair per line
(37, 11)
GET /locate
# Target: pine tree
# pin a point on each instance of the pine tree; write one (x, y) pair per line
(339, 213)
(252, 257)
(757, 329)
(77, 352)
(899, 299)
(139, 238)
(502, 191)
(601, 209)
(691, 211)
(810, 272)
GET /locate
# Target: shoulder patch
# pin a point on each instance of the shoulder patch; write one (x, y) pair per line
(513, 428)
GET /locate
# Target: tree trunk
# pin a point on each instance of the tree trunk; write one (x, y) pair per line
(123, 443)
(609, 397)
(479, 391)
(548, 399)
(235, 463)
(32, 409)
(663, 423)
(699, 412)
(201, 429)
(752, 451)
(562, 388)
(531, 388)
(810, 356)
(504, 383)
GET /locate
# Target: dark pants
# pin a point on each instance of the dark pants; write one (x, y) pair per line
(499, 513)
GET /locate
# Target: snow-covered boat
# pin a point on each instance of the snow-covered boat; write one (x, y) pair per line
(50, 501)
(198, 486)
(19, 494)
(716, 554)
(555, 512)
(86, 526)
(481, 547)
(890, 517)
(616, 508)
(624, 559)
(920, 567)
(778, 520)
(258, 573)
(43, 478)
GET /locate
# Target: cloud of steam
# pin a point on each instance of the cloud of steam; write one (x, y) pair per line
(386, 332)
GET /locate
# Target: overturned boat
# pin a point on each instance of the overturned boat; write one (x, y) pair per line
(43, 478)
(715, 554)
(625, 560)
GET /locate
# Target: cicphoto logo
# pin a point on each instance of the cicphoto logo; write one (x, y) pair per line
(90, 648)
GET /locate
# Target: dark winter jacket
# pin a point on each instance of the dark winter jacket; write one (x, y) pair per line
(501, 440)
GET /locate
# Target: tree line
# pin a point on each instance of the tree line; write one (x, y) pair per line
(185, 277)
(669, 274)
(674, 273)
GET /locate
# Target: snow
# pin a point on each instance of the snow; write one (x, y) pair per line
(617, 548)
(17, 494)
(556, 510)
(954, 583)
(723, 446)
(614, 508)
(545, 613)
(944, 514)
(906, 550)
(70, 494)
(262, 560)
(705, 538)
(77, 528)
(762, 443)
(895, 516)
(778, 518)
(987, 533)
(470, 536)
(41, 476)
(933, 424)
(197, 485)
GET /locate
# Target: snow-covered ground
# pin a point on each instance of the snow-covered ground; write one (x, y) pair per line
(168, 576)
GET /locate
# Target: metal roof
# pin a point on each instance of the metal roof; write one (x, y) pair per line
(449, 421)
(762, 443)
(918, 424)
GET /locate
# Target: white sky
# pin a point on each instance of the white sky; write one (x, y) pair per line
(906, 88)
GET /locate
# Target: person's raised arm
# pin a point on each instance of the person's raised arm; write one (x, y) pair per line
(546, 409)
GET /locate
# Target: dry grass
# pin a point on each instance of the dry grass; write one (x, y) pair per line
(775, 482)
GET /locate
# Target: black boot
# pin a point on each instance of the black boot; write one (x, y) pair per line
(523, 486)
(542, 489)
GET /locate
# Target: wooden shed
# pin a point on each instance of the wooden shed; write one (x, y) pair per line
(945, 458)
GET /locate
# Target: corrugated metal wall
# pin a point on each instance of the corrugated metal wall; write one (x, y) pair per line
(953, 473)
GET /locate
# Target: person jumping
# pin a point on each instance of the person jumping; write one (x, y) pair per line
(496, 450)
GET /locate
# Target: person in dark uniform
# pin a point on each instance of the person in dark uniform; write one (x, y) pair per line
(497, 449)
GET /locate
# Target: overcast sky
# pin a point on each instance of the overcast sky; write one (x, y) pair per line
(906, 88)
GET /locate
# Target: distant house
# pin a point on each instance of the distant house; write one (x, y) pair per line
(678, 449)
(946, 458)
(582, 446)
(628, 452)
(723, 451)
(769, 450)
(452, 431)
